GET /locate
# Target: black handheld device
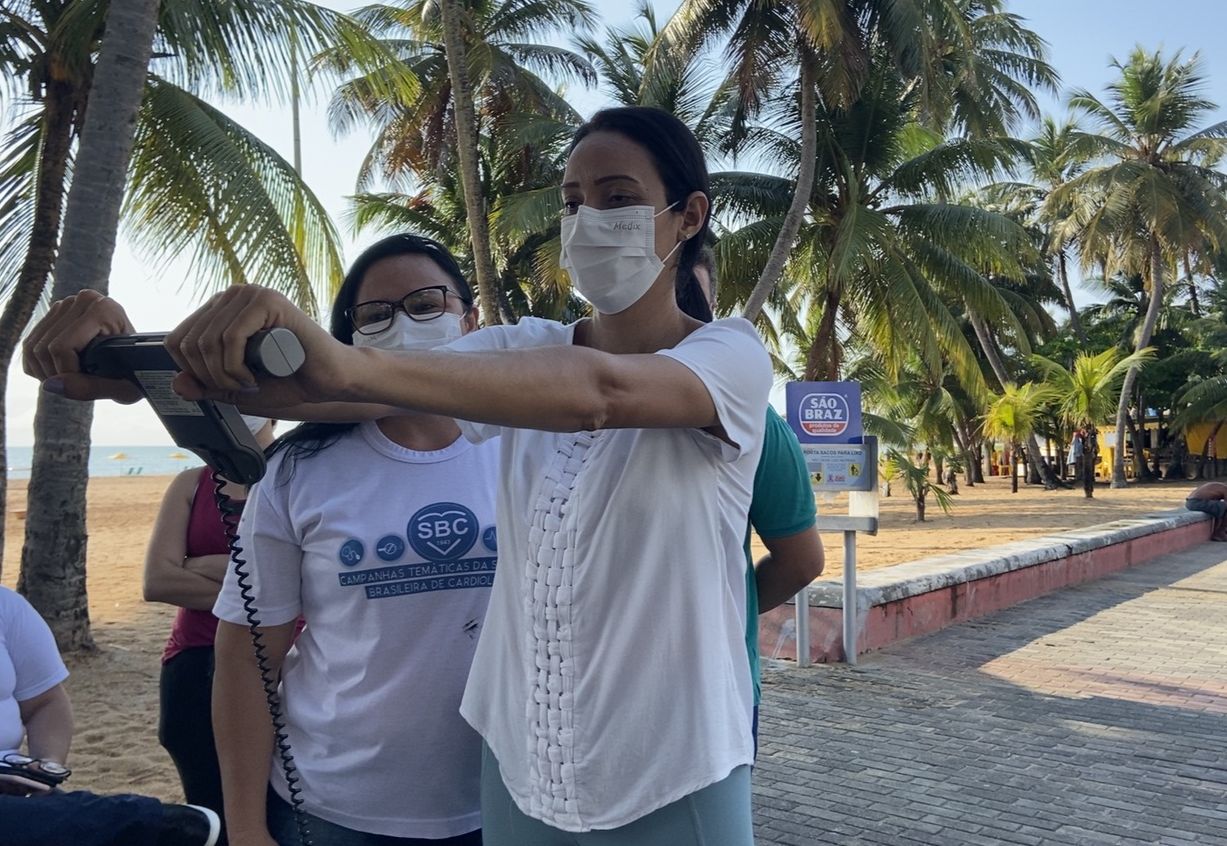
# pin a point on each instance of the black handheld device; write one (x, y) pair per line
(212, 430)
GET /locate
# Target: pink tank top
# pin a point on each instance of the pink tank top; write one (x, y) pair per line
(206, 535)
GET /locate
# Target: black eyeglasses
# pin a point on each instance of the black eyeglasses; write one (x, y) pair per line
(371, 318)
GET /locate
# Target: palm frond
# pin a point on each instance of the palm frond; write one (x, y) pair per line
(202, 184)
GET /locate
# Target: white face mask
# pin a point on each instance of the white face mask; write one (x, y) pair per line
(405, 334)
(611, 254)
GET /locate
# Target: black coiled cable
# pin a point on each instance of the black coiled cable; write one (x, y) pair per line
(230, 519)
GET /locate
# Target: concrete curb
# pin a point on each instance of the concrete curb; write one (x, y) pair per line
(926, 595)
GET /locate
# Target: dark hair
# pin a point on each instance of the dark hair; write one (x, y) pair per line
(706, 259)
(310, 438)
(681, 166)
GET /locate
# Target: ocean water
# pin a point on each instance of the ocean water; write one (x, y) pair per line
(115, 461)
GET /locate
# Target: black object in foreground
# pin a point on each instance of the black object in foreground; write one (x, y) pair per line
(212, 430)
(32, 773)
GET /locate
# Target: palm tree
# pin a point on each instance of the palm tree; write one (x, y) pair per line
(198, 180)
(916, 479)
(883, 251)
(491, 50)
(963, 59)
(456, 49)
(1085, 394)
(1012, 416)
(55, 582)
(1157, 196)
(1055, 155)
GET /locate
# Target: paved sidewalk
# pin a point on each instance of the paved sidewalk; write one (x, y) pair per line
(1094, 715)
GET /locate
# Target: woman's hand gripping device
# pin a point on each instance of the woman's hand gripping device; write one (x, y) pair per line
(212, 430)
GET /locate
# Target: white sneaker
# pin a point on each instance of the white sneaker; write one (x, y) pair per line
(215, 824)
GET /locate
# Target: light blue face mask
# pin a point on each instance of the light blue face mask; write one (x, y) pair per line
(610, 254)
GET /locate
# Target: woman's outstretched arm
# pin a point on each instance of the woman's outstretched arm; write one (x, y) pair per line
(564, 388)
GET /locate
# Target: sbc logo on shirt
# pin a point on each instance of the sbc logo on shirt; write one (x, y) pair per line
(443, 531)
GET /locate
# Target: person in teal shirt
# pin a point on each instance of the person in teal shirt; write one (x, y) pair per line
(782, 512)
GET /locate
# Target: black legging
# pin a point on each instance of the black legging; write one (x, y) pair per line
(185, 725)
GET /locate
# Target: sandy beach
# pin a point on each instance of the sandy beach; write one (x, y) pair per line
(114, 691)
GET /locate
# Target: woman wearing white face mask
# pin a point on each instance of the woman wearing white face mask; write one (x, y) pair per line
(381, 535)
(611, 682)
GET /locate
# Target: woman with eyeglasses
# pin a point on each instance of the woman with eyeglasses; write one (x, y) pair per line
(611, 684)
(381, 535)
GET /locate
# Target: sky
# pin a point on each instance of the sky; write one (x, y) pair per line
(1082, 36)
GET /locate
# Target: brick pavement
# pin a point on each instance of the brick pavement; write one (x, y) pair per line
(1095, 715)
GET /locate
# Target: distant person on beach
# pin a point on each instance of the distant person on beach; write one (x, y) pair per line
(611, 684)
(782, 511)
(34, 707)
(382, 536)
(1211, 498)
(185, 562)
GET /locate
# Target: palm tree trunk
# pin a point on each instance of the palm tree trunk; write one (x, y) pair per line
(1014, 467)
(451, 13)
(1075, 322)
(58, 109)
(989, 348)
(1140, 471)
(963, 443)
(1137, 436)
(822, 362)
(53, 557)
(800, 195)
(1143, 341)
(1090, 460)
(1042, 470)
(1194, 304)
(295, 97)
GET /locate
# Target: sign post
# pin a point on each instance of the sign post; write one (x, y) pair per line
(826, 418)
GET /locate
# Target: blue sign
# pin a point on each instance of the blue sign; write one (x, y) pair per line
(825, 412)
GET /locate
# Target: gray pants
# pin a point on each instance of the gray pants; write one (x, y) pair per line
(718, 815)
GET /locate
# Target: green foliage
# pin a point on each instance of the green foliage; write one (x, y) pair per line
(523, 125)
(1085, 393)
(199, 182)
(1014, 414)
(1155, 182)
(915, 478)
(204, 186)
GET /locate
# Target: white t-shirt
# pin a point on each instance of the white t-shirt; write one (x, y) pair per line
(30, 664)
(388, 554)
(612, 676)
